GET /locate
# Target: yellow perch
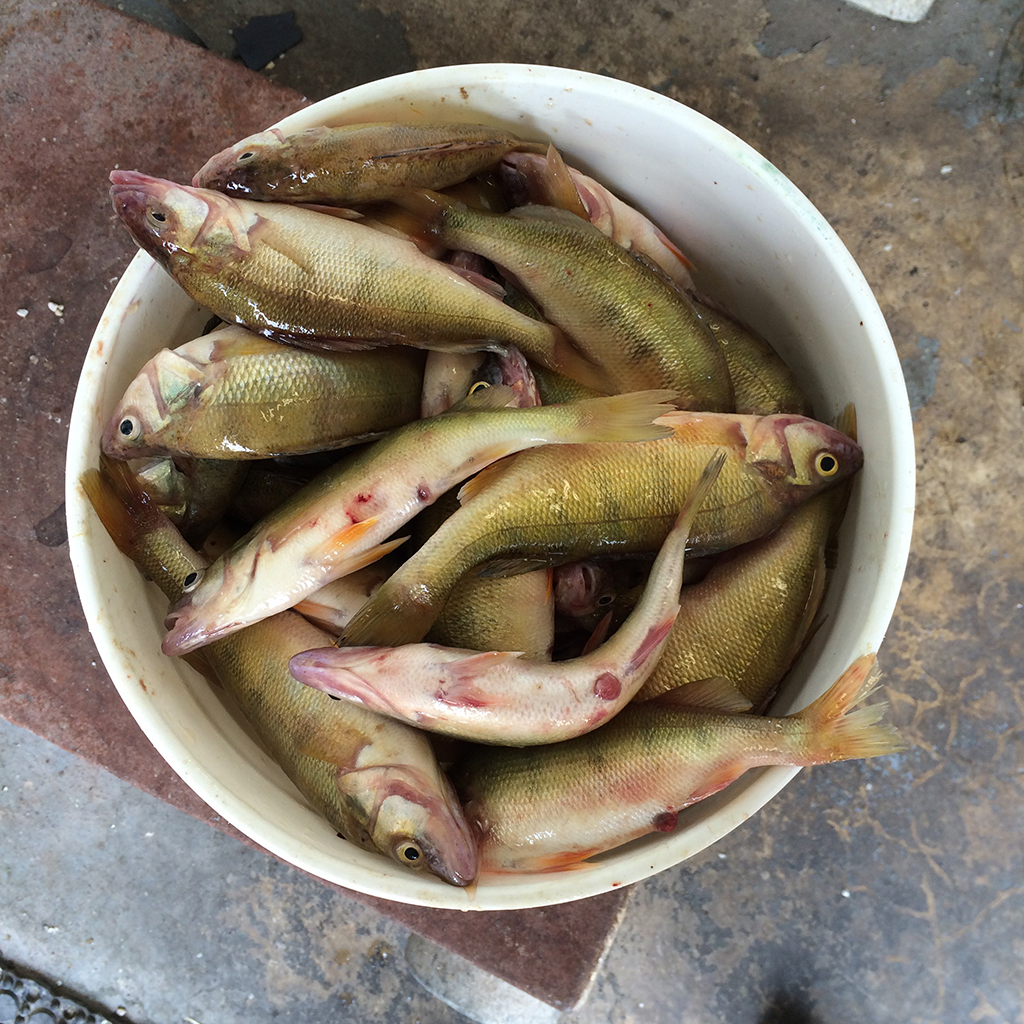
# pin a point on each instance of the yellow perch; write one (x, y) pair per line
(355, 163)
(748, 618)
(232, 394)
(558, 505)
(624, 316)
(550, 807)
(542, 180)
(498, 697)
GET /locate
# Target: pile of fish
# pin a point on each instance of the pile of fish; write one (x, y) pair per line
(546, 523)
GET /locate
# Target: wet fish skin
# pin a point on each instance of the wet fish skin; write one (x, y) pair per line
(140, 529)
(623, 316)
(355, 163)
(447, 378)
(763, 384)
(512, 613)
(307, 278)
(499, 697)
(381, 787)
(528, 177)
(342, 519)
(747, 619)
(194, 494)
(212, 486)
(550, 807)
(376, 782)
(552, 506)
(232, 394)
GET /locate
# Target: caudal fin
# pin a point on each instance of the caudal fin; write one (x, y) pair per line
(839, 733)
(392, 617)
(628, 417)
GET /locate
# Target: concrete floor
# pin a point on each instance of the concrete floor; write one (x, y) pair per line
(150, 916)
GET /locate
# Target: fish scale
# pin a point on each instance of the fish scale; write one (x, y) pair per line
(355, 163)
(747, 618)
(375, 781)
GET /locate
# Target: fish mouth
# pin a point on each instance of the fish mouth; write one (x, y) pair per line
(130, 194)
(463, 861)
(186, 631)
(331, 670)
(225, 173)
(130, 188)
(221, 174)
(850, 453)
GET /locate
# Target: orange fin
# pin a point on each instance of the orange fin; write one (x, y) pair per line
(338, 558)
(718, 779)
(599, 635)
(652, 642)
(333, 742)
(846, 421)
(568, 860)
(561, 187)
(333, 546)
(840, 733)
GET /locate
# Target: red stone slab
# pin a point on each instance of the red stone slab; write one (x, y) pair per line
(82, 90)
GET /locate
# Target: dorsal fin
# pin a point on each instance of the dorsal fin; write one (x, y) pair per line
(713, 694)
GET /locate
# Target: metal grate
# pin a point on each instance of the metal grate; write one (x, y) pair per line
(24, 1001)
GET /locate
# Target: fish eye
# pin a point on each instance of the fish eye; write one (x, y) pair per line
(409, 853)
(247, 155)
(826, 464)
(191, 581)
(158, 216)
(130, 429)
(605, 599)
(478, 386)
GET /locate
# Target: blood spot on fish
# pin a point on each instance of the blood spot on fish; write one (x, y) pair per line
(666, 821)
(423, 492)
(607, 686)
(363, 498)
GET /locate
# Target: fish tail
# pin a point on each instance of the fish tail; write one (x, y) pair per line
(427, 209)
(556, 351)
(838, 733)
(113, 513)
(392, 617)
(627, 417)
(138, 528)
